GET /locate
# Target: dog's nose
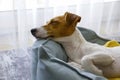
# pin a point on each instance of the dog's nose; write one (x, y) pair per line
(33, 31)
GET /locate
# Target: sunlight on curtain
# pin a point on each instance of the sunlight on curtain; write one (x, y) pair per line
(17, 17)
(15, 24)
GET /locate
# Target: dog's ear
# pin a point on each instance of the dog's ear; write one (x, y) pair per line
(71, 18)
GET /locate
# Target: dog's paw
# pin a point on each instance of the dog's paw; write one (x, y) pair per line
(99, 72)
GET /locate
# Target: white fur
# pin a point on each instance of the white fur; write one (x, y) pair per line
(41, 32)
(91, 57)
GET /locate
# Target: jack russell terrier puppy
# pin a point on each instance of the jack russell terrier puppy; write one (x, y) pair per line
(88, 56)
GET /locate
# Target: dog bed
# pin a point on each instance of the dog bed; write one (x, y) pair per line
(49, 60)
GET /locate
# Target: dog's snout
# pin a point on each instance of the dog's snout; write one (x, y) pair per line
(33, 31)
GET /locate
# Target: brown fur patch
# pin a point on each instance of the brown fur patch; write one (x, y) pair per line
(62, 26)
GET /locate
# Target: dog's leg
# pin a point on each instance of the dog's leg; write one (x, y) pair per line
(102, 59)
(89, 62)
(87, 65)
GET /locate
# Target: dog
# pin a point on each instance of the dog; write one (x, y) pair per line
(82, 54)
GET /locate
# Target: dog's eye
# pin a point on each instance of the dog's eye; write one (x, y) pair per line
(54, 22)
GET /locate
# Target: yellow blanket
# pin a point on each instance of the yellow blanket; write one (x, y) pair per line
(112, 43)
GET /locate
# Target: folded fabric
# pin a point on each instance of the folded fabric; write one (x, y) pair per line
(91, 36)
(50, 63)
(112, 43)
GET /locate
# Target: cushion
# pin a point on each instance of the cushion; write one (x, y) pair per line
(49, 60)
(112, 43)
(91, 36)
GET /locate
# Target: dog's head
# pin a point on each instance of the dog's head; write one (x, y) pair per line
(59, 26)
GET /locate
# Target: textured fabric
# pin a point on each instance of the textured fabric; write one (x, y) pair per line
(15, 64)
(49, 63)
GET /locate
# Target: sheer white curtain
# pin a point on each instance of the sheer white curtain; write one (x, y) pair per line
(16, 20)
(17, 17)
(15, 24)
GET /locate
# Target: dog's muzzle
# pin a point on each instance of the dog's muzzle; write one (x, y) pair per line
(39, 33)
(33, 31)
